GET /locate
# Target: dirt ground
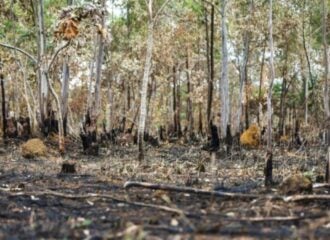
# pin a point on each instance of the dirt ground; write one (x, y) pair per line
(39, 202)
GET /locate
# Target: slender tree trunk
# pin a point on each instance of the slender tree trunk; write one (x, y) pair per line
(110, 106)
(209, 87)
(42, 70)
(4, 117)
(65, 92)
(144, 88)
(98, 78)
(243, 81)
(210, 52)
(175, 125)
(190, 117)
(178, 106)
(224, 85)
(309, 68)
(283, 93)
(326, 87)
(261, 85)
(326, 59)
(269, 157)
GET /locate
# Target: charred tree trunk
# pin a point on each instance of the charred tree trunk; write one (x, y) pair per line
(88, 136)
(269, 162)
(65, 93)
(4, 117)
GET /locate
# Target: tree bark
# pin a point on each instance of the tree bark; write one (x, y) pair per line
(326, 59)
(42, 61)
(144, 87)
(244, 80)
(4, 116)
(65, 92)
(224, 85)
(309, 68)
(283, 93)
(190, 117)
(269, 165)
(261, 84)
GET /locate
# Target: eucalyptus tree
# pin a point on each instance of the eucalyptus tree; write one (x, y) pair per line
(326, 84)
(224, 82)
(269, 157)
(152, 19)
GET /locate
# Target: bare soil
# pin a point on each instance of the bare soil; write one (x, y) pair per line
(39, 202)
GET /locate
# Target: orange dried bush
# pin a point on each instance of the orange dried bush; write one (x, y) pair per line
(67, 29)
(251, 136)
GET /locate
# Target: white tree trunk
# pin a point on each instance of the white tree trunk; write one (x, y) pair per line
(272, 76)
(224, 84)
(144, 88)
(269, 161)
(326, 60)
(42, 70)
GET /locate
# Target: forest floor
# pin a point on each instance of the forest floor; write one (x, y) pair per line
(38, 201)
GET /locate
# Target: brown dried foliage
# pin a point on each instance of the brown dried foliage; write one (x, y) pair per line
(67, 29)
(251, 136)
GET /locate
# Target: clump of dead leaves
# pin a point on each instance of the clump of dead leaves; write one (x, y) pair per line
(67, 29)
(34, 148)
(251, 136)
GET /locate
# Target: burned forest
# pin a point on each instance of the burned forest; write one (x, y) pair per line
(164, 119)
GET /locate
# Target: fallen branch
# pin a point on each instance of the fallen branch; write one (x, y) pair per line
(297, 198)
(95, 195)
(164, 187)
(321, 185)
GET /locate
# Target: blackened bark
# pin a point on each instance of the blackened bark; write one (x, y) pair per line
(268, 171)
(4, 117)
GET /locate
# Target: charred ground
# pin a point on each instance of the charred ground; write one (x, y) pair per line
(38, 201)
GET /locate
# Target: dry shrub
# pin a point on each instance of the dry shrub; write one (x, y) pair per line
(251, 136)
(294, 184)
(34, 148)
(284, 139)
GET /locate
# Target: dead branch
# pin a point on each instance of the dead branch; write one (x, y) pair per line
(321, 185)
(21, 51)
(164, 187)
(95, 195)
(297, 198)
(56, 53)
